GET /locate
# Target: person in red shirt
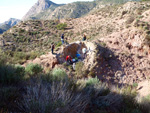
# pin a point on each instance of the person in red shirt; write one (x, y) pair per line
(69, 59)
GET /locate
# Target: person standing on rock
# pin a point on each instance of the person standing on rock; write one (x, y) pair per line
(52, 48)
(84, 37)
(62, 38)
(84, 52)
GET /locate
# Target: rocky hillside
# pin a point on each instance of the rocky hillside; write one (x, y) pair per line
(8, 24)
(113, 76)
(31, 35)
(122, 29)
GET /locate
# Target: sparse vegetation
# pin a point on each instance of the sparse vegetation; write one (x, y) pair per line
(79, 69)
(72, 94)
(61, 26)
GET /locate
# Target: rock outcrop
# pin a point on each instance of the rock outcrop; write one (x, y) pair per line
(47, 61)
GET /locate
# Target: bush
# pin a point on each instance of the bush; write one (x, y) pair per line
(33, 69)
(59, 74)
(92, 81)
(10, 74)
(53, 98)
(61, 26)
(19, 57)
(79, 69)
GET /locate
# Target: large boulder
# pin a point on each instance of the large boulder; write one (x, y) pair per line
(73, 49)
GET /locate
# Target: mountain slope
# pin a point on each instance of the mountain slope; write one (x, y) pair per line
(4, 27)
(72, 10)
(48, 10)
(12, 21)
(8, 24)
(39, 7)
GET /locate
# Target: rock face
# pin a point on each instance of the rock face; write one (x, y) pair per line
(12, 21)
(40, 6)
(8, 24)
(73, 49)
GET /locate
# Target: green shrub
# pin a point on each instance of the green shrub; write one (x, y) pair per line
(61, 26)
(92, 81)
(59, 74)
(79, 69)
(20, 70)
(19, 57)
(10, 74)
(33, 69)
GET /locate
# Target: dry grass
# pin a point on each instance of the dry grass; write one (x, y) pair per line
(53, 98)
